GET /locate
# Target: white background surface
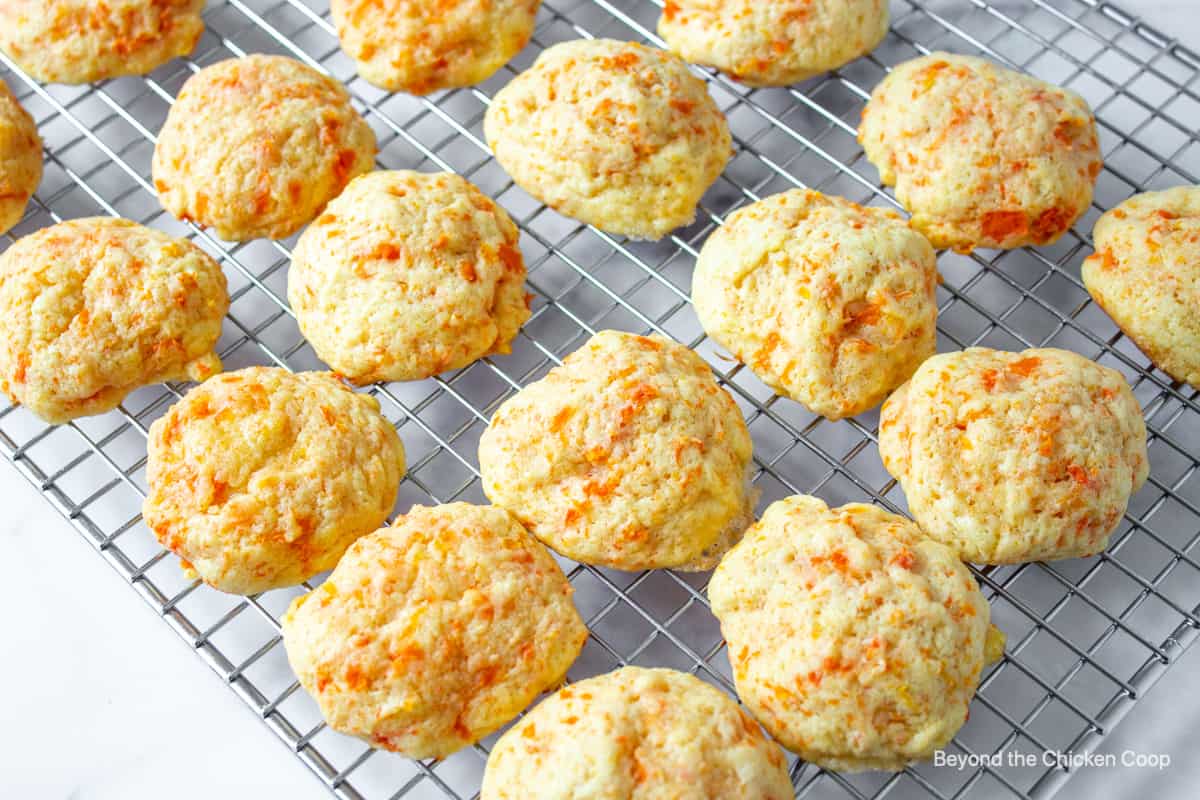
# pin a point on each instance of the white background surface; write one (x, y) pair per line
(102, 700)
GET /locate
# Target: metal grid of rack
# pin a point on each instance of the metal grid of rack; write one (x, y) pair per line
(1086, 637)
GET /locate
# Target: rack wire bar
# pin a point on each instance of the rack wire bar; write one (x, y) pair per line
(1086, 637)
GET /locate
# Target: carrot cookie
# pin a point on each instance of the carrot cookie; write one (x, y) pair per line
(855, 639)
(419, 47)
(773, 43)
(1146, 275)
(262, 478)
(91, 309)
(982, 156)
(20, 159)
(255, 147)
(1012, 457)
(615, 134)
(629, 455)
(80, 41)
(828, 302)
(407, 275)
(433, 633)
(636, 734)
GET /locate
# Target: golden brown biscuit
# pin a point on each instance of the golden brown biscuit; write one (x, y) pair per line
(91, 309)
(261, 478)
(828, 302)
(628, 455)
(636, 734)
(256, 146)
(1011, 457)
(80, 41)
(433, 633)
(616, 134)
(1146, 274)
(981, 155)
(773, 43)
(855, 639)
(419, 47)
(20, 159)
(408, 275)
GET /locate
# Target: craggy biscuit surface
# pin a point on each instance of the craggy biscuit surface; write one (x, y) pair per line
(1146, 274)
(432, 633)
(855, 639)
(261, 478)
(419, 46)
(636, 734)
(1011, 457)
(91, 309)
(20, 159)
(982, 156)
(773, 43)
(254, 147)
(628, 455)
(80, 41)
(407, 275)
(828, 302)
(616, 134)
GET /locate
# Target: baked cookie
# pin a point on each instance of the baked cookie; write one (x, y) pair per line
(419, 47)
(408, 275)
(1012, 457)
(982, 156)
(20, 158)
(91, 309)
(80, 41)
(773, 43)
(255, 147)
(828, 302)
(855, 639)
(636, 734)
(261, 478)
(1146, 274)
(433, 633)
(629, 455)
(616, 134)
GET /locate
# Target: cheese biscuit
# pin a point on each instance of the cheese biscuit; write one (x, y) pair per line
(91, 309)
(830, 303)
(420, 47)
(20, 159)
(981, 156)
(1012, 457)
(261, 478)
(636, 734)
(1146, 274)
(615, 134)
(629, 455)
(435, 631)
(857, 641)
(776, 43)
(81, 41)
(254, 147)
(407, 275)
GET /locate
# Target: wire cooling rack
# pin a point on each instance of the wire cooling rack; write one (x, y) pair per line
(1086, 637)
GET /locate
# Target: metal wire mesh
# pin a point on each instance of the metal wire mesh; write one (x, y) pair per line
(1086, 637)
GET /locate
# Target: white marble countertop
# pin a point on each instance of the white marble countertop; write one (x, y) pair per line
(104, 701)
